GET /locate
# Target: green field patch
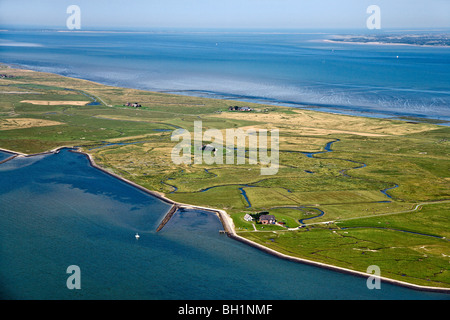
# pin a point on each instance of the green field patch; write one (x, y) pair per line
(195, 179)
(264, 198)
(226, 197)
(355, 210)
(399, 255)
(305, 182)
(428, 220)
(333, 197)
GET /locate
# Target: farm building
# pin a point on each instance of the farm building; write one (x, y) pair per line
(267, 219)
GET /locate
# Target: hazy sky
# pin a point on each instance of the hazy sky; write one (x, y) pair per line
(112, 14)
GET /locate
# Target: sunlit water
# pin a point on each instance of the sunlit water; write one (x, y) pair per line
(296, 69)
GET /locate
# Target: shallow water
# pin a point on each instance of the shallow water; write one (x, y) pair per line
(291, 68)
(5, 155)
(56, 211)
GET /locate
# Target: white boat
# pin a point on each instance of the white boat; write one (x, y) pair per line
(137, 236)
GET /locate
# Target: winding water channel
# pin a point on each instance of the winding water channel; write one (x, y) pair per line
(320, 213)
(327, 148)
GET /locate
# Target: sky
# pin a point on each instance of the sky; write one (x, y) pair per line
(298, 14)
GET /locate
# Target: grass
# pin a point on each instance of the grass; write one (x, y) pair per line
(427, 219)
(402, 256)
(367, 227)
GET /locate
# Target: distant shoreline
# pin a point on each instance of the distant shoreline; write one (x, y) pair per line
(228, 225)
(326, 108)
(378, 43)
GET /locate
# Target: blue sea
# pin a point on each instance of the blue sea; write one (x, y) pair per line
(57, 211)
(287, 67)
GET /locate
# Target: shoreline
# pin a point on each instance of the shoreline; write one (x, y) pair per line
(228, 224)
(347, 110)
(383, 43)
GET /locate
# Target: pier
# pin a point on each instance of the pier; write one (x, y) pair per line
(10, 158)
(169, 215)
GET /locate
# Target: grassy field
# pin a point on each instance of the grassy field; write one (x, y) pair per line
(352, 207)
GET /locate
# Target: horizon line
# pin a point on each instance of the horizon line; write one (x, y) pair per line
(245, 29)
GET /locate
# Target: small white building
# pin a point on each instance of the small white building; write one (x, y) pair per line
(248, 217)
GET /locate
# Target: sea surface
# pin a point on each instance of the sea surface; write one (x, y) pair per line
(57, 211)
(292, 67)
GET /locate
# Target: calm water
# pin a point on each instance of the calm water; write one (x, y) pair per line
(5, 155)
(56, 210)
(295, 69)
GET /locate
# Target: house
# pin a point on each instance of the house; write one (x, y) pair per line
(267, 219)
(237, 108)
(135, 105)
(207, 147)
(248, 217)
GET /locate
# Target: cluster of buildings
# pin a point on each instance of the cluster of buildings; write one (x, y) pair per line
(3, 76)
(263, 219)
(135, 105)
(237, 108)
